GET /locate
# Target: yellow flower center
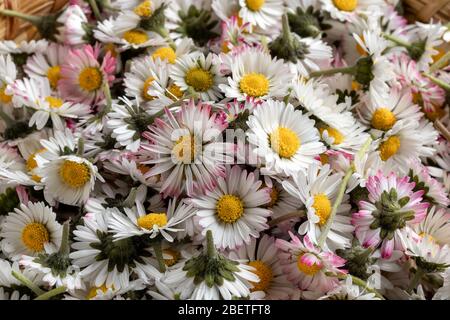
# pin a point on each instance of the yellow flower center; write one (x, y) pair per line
(143, 168)
(111, 48)
(383, 119)
(437, 112)
(417, 98)
(255, 5)
(184, 148)
(426, 235)
(90, 79)
(309, 270)
(175, 256)
(174, 91)
(254, 84)
(144, 9)
(152, 219)
(145, 88)
(5, 98)
(324, 158)
(389, 147)
(440, 54)
(332, 132)
(54, 103)
(34, 236)
(274, 194)
(224, 46)
(285, 142)
(165, 53)
(135, 36)
(359, 48)
(229, 208)
(356, 86)
(322, 206)
(200, 79)
(31, 161)
(346, 5)
(74, 174)
(93, 292)
(265, 274)
(53, 76)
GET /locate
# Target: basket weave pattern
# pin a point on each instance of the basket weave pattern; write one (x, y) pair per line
(424, 10)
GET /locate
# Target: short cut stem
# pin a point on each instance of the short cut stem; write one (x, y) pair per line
(159, 256)
(28, 283)
(52, 293)
(329, 72)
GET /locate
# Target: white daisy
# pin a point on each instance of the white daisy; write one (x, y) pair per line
(345, 10)
(7, 77)
(234, 210)
(435, 226)
(27, 47)
(283, 138)
(261, 13)
(74, 26)
(29, 230)
(349, 291)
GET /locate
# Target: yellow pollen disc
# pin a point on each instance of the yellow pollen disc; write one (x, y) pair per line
(74, 174)
(200, 79)
(274, 194)
(332, 132)
(184, 148)
(175, 256)
(5, 98)
(135, 36)
(53, 76)
(54, 103)
(34, 236)
(174, 91)
(229, 208)
(165, 53)
(255, 5)
(265, 274)
(152, 219)
(31, 161)
(324, 159)
(360, 49)
(440, 54)
(437, 112)
(383, 119)
(144, 9)
(143, 168)
(389, 147)
(426, 235)
(145, 88)
(225, 48)
(322, 206)
(307, 269)
(346, 5)
(93, 292)
(285, 142)
(90, 79)
(36, 178)
(111, 48)
(417, 98)
(356, 86)
(254, 84)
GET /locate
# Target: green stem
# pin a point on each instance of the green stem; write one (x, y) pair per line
(28, 283)
(329, 72)
(397, 41)
(64, 249)
(163, 32)
(437, 81)
(95, 9)
(80, 148)
(286, 31)
(363, 284)
(129, 201)
(290, 215)
(210, 247)
(9, 122)
(108, 98)
(159, 256)
(52, 293)
(440, 63)
(15, 14)
(415, 280)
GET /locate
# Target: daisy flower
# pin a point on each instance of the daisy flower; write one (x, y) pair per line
(189, 154)
(136, 221)
(198, 74)
(262, 255)
(29, 230)
(74, 27)
(234, 209)
(382, 219)
(349, 291)
(7, 77)
(48, 64)
(255, 74)
(37, 94)
(345, 10)
(283, 138)
(317, 190)
(83, 77)
(206, 282)
(308, 266)
(23, 47)
(435, 226)
(263, 14)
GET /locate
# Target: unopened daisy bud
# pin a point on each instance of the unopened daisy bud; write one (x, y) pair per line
(307, 23)
(363, 72)
(358, 260)
(8, 201)
(154, 22)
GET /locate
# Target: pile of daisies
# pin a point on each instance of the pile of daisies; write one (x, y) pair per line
(225, 149)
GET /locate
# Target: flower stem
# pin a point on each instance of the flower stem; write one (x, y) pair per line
(361, 283)
(9, 122)
(397, 41)
(129, 201)
(286, 31)
(163, 32)
(442, 129)
(64, 249)
(28, 283)
(159, 256)
(415, 280)
(80, 147)
(15, 14)
(290, 215)
(95, 9)
(437, 81)
(210, 247)
(440, 63)
(52, 293)
(108, 98)
(329, 72)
